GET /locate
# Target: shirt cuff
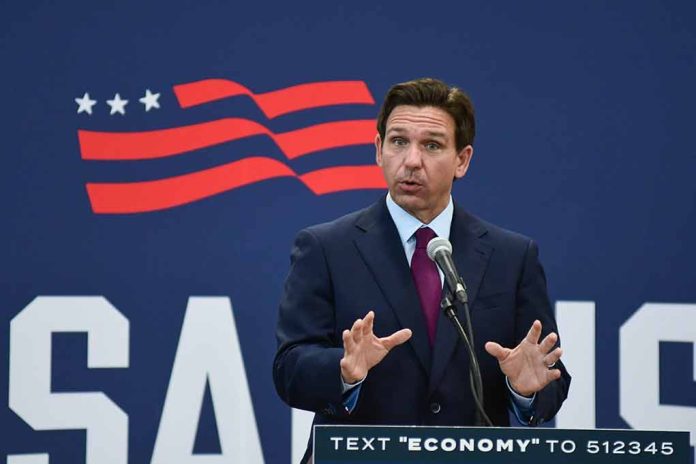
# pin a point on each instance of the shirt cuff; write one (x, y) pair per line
(351, 391)
(350, 386)
(522, 407)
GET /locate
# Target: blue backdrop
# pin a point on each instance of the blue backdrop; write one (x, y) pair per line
(585, 143)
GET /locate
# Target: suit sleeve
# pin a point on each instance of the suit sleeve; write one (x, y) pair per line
(533, 303)
(306, 369)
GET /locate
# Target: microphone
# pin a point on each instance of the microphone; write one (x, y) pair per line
(440, 250)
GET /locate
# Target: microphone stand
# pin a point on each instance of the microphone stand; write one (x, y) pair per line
(467, 336)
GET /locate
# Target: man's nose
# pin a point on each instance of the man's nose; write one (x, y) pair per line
(414, 157)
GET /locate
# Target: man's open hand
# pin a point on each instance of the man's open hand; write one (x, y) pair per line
(529, 366)
(363, 350)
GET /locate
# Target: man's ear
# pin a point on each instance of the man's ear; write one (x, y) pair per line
(463, 160)
(378, 150)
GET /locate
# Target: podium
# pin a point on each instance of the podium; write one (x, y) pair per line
(341, 444)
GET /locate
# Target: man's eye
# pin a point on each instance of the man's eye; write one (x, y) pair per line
(398, 141)
(432, 146)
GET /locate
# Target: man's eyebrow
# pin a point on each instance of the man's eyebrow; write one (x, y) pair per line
(401, 130)
(438, 134)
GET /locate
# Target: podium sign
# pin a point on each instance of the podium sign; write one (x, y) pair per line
(334, 444)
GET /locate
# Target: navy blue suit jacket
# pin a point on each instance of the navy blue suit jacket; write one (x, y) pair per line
(342, 269)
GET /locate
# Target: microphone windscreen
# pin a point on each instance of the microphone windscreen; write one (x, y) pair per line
(438, 244)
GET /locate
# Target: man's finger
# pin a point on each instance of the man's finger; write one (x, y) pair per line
(548, 342)
(397, 338)
(497, 351)
(348, 344)
(356, 325)
(368, 323)
(553, 357)
(356, 330)
(534, 333)
(553, 374)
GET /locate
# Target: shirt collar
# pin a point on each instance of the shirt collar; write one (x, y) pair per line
(407, 224)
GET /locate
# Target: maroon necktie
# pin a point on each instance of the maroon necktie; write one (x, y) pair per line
(427, 280)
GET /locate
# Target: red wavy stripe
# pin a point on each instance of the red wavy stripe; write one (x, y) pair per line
(136, 197)
(169, 142)
(336, 179)
(140, 197)
(277, 102)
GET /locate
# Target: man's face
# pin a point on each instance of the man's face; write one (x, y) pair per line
(419, 159)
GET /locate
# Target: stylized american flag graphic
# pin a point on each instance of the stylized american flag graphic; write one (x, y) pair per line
(170, 192)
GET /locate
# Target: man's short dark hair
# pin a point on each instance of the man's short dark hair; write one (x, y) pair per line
(432, 92)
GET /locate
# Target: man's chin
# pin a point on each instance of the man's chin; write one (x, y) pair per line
(408, 202)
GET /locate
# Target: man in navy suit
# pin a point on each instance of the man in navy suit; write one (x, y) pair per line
(360, 339)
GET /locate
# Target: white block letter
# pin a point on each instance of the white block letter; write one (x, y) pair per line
(30, 373)
(576, 325)
(640, 366)
(208, 350)
(301, 429)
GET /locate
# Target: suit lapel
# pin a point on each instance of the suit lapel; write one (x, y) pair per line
(380, 248)
(470, 253)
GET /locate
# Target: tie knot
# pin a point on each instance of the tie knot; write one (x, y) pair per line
(423, 236)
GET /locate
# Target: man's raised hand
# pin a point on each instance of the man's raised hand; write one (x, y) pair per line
(363, 349)
(529, 366)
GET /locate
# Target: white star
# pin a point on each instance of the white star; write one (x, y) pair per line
(85, 104)
(117, 105)
(150, 100)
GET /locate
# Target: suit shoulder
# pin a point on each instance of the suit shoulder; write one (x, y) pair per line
(508, 235)
(500, 235)
(510, 246)
(336, 228)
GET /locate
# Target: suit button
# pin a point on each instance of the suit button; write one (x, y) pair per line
(435, 408)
